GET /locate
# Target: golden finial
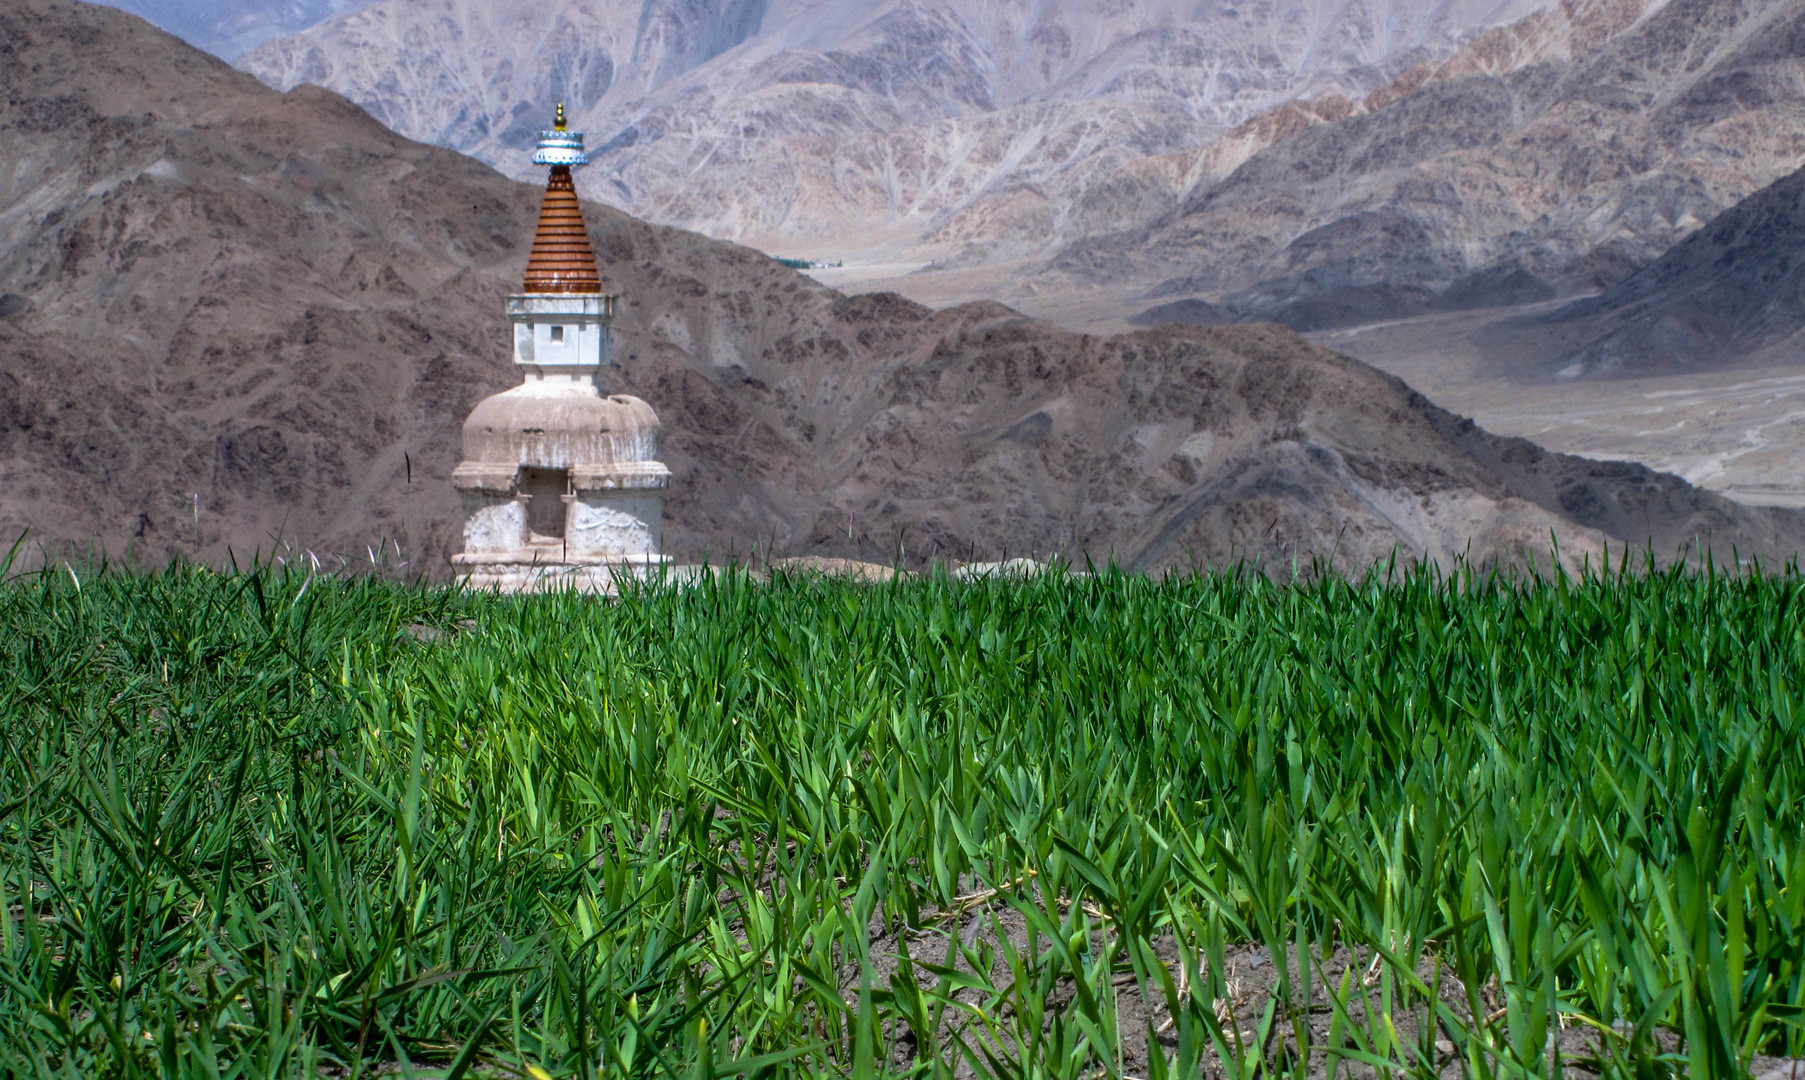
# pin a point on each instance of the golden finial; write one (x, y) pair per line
(559, 126)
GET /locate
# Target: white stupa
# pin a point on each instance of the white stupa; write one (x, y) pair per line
(561, 484)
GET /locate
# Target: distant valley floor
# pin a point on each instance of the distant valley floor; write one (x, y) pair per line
(1740, 433)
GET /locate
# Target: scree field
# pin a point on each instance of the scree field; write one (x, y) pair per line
(277, 825)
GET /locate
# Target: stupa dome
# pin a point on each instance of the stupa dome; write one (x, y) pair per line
(528, 426)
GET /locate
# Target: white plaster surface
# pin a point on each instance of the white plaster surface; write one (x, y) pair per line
(493, 523)
(606, 523)
(585, 323)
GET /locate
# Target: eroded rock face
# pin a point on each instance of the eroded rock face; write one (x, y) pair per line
(1317, 167)
(256, 319)
(1489, 180)
(999, 127)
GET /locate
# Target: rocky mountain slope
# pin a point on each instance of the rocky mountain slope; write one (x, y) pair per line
(239, 317)
(998, 126)
(1479, 188)
(1730, 295)
(228, 27)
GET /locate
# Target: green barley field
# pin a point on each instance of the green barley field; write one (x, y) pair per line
(272, 824)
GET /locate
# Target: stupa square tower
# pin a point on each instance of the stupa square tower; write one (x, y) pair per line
(561, 485)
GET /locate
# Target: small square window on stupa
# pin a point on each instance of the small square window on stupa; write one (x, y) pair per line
(557, 333)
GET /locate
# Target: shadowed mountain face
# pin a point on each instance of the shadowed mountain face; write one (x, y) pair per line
(1484, 186)
(996, 126)
(230, 316)
(229, 27)
(1731, 294)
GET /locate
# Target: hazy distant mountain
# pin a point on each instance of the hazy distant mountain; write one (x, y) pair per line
(1731, 294)
(1006, 124)
(234, 316)
(229, 27)
(1477, 187)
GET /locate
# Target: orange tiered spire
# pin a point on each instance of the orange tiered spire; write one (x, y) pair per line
(562, 260)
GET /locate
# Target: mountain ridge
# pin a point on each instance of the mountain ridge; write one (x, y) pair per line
(237, 318)
(1730, 295)
(818, 118)
(1575, 172)
(227, 28)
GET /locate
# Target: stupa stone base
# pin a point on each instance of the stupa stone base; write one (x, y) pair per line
(536, 570)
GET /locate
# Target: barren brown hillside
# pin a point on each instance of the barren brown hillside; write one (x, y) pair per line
(237, 317)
